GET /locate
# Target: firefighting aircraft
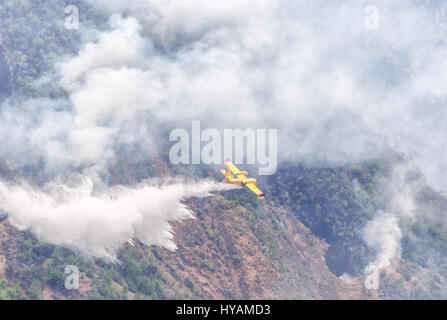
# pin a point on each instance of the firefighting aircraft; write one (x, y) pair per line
(240, 179)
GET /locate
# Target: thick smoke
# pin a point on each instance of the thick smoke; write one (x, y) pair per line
(338, 92)
(312, 70)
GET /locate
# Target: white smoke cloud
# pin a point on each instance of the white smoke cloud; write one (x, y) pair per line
(343, 92)
(312, 70)
(71, 215)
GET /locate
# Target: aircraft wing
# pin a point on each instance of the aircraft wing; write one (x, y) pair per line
(228, 175)
(255, 189)
(234, 169)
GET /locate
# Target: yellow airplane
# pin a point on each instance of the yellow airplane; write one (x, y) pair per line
(241, 179)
